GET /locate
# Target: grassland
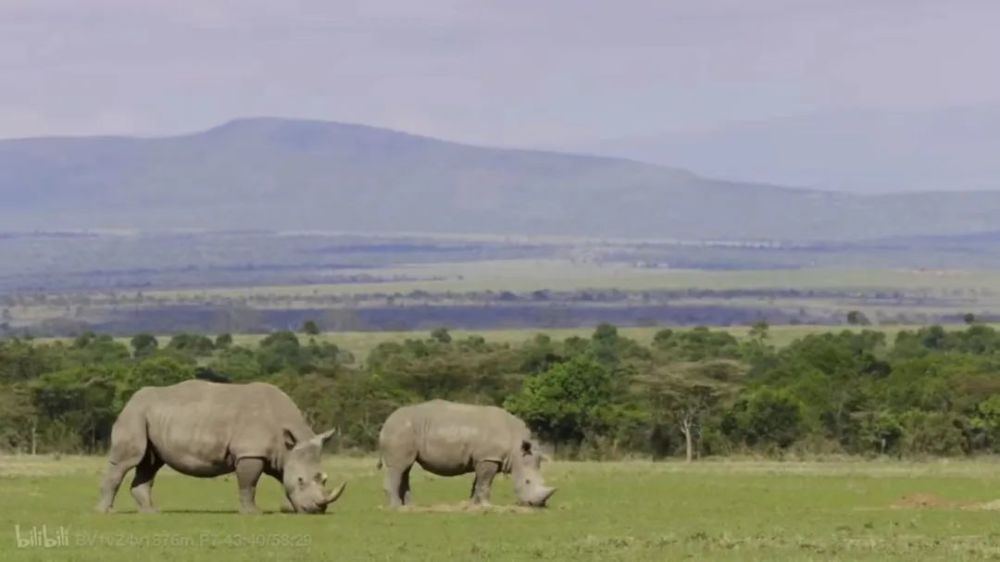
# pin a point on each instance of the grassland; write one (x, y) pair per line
(530, 275)
(603, 511)
(501, 293)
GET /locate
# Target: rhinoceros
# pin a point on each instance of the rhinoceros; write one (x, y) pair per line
(450, 439)
(207, 429)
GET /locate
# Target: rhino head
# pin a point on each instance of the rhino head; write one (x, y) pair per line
(303, 477)
(526, 469)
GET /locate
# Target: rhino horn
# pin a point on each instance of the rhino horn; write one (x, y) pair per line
(548, 494)
(335, 495)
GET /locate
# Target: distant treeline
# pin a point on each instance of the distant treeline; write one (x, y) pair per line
(691, 392)
(59, 262)
(131, 312)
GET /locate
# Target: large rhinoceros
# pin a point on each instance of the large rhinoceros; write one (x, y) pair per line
(449, 439)
(207, 429)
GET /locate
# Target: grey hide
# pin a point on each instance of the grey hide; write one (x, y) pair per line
(206, 429)
(450, 439)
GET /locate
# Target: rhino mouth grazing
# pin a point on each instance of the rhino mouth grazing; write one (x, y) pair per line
(320, 507)
(540, 500)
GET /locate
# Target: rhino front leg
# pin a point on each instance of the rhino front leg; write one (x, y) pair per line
(248, 472)
(481, 486)
(142, 483)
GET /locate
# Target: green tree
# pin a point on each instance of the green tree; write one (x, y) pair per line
(538, 355)
(354, 402)
(76, 408)
(22, 360)
(18, 419)
(223, 341)
(144, 345)
(987, 417)
(441, 335)
(697, 344)
(569, 401)
(195, 345)
(238, 364)
(94, 350)
(759, 331)
(767, 417)
(857, 318)
(932, 433)
(684, 395)
(160, 370)
(282, 352)
(612, 349)
(311, 328)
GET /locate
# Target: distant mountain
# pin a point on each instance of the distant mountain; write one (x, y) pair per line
(286, 174)
(861, 151)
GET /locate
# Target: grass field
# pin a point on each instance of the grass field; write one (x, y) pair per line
(603, 511)
(530, 275)
(824, 295)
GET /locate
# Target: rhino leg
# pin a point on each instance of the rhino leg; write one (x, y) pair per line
(404, 487)
(248, 471)
(481, 486)
(128, 448)
(142, 483)
(397, 485)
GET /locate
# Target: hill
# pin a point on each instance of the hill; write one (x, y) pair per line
(278, 174)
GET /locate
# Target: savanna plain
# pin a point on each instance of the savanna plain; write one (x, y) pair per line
(634, 510)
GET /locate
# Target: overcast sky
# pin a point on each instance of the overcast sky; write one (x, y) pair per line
(505, 72)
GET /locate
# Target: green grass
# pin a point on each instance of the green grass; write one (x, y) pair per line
(530, 275)
(603, 511)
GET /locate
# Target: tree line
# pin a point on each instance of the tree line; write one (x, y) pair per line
(689, 393)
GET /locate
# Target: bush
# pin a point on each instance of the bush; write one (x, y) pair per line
(931, 433)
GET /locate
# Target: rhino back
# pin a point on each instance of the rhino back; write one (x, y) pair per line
(201, 427)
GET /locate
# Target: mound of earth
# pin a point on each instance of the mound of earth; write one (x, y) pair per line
(466, 507)
(924, 500)
(993, 505)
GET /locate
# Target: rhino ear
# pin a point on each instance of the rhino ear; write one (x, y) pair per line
(526, 447)
(290, 439)
(326, 436)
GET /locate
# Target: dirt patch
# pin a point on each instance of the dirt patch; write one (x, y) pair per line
(993, 505)
(928, 501)
(931, 501)
(466, 507)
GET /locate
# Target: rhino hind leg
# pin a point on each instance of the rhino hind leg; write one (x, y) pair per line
(404, 486)
(128, 448)
(397, 485)
(483, 483)
(142, 483)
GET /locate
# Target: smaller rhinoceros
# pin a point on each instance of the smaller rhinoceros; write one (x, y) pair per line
(207, 429)
(450, 439)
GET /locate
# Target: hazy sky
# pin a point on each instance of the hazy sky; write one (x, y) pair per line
(507, 72)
